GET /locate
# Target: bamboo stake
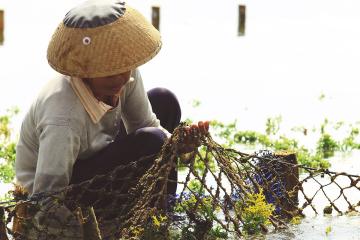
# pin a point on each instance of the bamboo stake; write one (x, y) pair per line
(1, 27)
(155, 17)
(242, 17)
(91, 228)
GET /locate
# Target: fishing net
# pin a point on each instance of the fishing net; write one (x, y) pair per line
(222, 193)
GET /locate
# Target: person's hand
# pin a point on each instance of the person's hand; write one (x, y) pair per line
(192, 136)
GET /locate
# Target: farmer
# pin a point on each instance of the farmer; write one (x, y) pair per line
(95, 115)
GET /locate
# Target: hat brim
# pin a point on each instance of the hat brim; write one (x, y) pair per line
(111, 49)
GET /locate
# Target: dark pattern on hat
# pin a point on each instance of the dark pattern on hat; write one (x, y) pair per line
(94, 13)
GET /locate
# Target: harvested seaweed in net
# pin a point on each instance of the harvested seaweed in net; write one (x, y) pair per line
(222, 193)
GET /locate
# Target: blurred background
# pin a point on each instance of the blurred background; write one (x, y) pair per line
(245, 60)
(232, 59)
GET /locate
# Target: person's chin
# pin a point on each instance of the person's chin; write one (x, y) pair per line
(114, 92)
(117, 92)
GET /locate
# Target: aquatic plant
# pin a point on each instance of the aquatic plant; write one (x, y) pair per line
(254, 212)
(326, 145)
(233, 137)
(296, 220)
(7, 147)
(201, 211)
(273, 125)
(328, 230)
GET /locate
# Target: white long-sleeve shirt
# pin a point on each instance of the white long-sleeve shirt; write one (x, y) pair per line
(58, 129)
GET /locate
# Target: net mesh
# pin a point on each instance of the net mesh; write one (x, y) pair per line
(221, 193)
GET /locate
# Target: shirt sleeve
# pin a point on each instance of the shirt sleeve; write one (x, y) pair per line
(58, 149)
(136, 108)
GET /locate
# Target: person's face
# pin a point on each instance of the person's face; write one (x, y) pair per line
(108, 86)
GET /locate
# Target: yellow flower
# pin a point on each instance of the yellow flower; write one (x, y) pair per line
(156, 222)
(296, 220)
(136, 231)
(328, 230)
(254, 211)
(162, 218)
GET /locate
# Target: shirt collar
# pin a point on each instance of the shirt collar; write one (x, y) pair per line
(95, 108)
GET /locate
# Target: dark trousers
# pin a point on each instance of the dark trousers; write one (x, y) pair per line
(129, 148)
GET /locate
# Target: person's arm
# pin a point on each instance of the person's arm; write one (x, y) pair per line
(137, 113)
(58, 149)
(136, 108)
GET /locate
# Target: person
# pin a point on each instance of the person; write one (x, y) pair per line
(95, 114)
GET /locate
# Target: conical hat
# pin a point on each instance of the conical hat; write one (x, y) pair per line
(102, 38)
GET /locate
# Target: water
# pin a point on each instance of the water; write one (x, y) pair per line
(292, 52)
(313, 228)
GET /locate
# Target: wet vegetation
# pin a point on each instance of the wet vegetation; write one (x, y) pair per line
(317, 156)
(256, 212)
(7, 147)
(231, 137)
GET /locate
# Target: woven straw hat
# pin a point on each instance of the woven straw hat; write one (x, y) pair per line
(102, 38)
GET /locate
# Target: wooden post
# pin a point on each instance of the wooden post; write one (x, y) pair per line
(3, 234)
(21, 213)
(242, 17)
(155, 17)
(289, 175)
(1, 27)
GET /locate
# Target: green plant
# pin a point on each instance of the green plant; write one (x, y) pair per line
(296, 220)
(201, 211)
(328, 230)
(196, 186)
(327, 145)
(199, 164)
(218, 232)
(314, 160)
(323, 126)
(224, 131)
(200, 205)
(233, 136)
(195, 103)
(250, 137)
(321, 97)
(273, 125)
(284, 143)
(338, 125)
(254, 212)
(349, 142)
(136, 232)
(7, 147)
(157, 228)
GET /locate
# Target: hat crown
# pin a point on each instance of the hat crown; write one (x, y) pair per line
(94, 13)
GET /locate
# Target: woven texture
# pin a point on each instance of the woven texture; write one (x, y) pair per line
(104, 51)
